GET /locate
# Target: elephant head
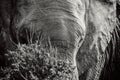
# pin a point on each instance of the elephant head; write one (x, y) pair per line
(79, 29)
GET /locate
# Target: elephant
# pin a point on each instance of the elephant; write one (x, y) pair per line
(79, 29)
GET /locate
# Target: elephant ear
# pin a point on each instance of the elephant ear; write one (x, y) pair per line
(3, 23)
(7, 13)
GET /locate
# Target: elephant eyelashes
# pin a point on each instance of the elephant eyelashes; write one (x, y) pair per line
(107, 2)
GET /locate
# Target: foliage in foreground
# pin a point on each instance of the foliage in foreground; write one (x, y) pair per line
(33, 62)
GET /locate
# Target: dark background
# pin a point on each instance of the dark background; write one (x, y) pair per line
(111, 69)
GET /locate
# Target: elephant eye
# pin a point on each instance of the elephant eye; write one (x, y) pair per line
(107, 2)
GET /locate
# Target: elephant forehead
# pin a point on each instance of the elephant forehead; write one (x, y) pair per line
(59, 19)
(39, 10)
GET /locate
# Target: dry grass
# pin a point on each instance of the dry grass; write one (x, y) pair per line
(33, 62)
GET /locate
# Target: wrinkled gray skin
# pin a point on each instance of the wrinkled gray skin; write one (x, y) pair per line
(80, 29)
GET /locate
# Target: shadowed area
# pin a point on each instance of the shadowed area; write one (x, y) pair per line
(111, 69)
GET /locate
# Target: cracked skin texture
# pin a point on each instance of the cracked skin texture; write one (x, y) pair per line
(84, 24)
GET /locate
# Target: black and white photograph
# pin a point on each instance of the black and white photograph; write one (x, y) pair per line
(59, 39)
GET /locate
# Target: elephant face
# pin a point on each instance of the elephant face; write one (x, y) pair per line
(61, 21)
(74, 27)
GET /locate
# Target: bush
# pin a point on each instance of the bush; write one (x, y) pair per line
(34, 62)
